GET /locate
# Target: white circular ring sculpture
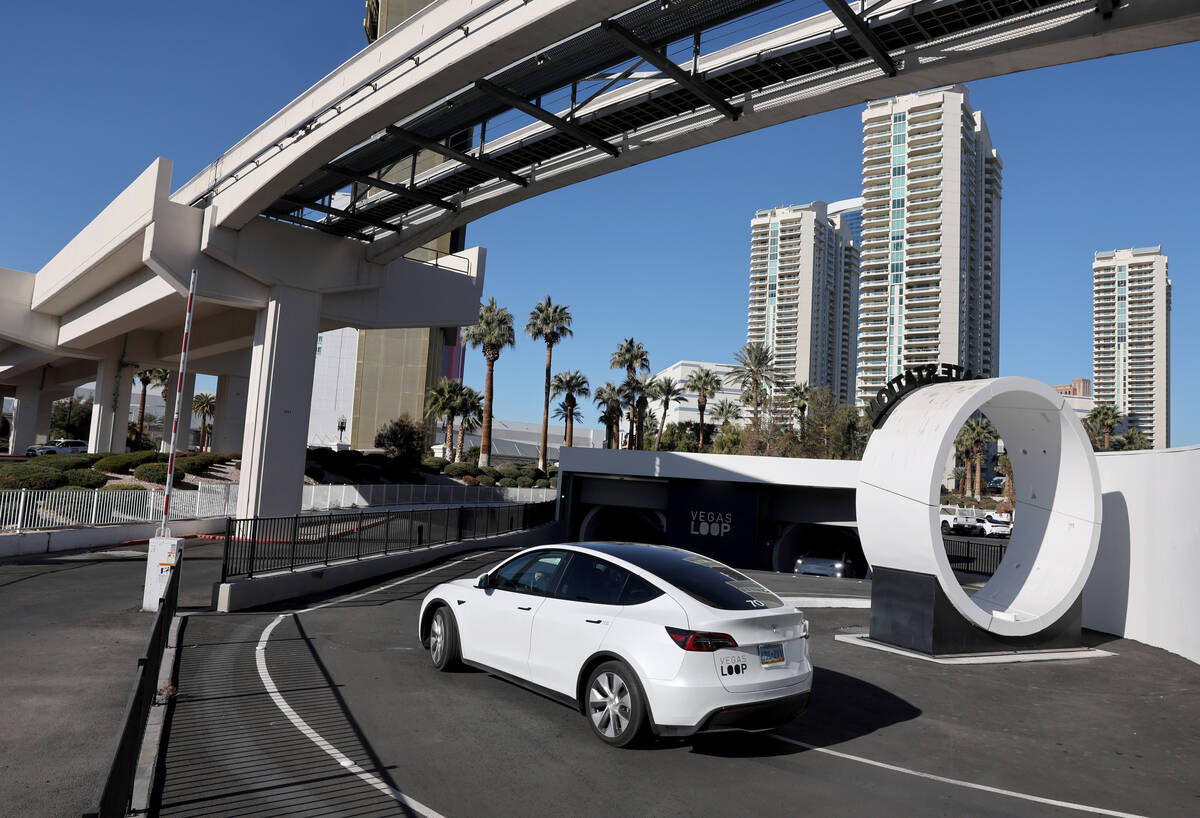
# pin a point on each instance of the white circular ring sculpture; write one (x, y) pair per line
(1056, 523)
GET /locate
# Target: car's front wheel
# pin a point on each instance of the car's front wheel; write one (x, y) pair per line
(615, 707)
(443, 640)
(945, 527)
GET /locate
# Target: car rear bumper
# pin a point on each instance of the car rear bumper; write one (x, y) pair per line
(764, 715)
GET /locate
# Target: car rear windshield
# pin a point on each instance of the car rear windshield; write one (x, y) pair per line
(711, 582)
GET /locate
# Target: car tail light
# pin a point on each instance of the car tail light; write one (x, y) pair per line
(703, 642)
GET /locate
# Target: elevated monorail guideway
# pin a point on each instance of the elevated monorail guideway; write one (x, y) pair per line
(523, 99)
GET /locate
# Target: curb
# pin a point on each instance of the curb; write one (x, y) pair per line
(156, 723)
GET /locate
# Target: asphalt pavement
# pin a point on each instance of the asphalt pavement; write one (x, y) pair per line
(71, 632)
(337, 711)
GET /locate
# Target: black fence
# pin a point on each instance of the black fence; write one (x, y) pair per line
(975, 557)
(268, 544)
(117, 789)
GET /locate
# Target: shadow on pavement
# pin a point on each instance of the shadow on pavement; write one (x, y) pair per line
(231, 751)
(843, 708)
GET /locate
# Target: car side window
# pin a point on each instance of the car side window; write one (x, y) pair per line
(588, 579)
(637, 591)
(532, 575)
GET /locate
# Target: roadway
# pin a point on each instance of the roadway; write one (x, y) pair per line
(341, 713)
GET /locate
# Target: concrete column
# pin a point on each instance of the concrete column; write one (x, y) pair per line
(110, 411)
(280, 392)
(27, 423)
(229, 423)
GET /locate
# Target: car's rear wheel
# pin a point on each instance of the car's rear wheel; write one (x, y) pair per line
(945, 527)
(615, 706)
(443, 640)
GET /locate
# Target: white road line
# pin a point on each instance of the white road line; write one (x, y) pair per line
(260, 661)
(827, 601)
(960, 783)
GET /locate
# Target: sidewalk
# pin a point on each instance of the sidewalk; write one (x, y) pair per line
(71, 632)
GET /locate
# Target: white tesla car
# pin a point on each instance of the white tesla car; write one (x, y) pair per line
(636, 637)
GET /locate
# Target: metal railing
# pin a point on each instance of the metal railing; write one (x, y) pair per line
(36, 509)
(974, 557)
(325, 497)
(116, 791)
(270, 544)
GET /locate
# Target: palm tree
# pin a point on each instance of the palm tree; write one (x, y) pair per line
(666, 391)
(798, 396)
(608, 398)
(568, 414)
(980, 432)
(705, 383)
(204, 405)
(469, 408)
(960, 474)
(551, 323)
(571, 385)
(442, 402)
(755, 372)
(632, 392)
(148, 378)
(964, 444)
(493, 332)
(1106, 418)
(1135, 438)
(726, 412)
(631, 356)
(1004, 467)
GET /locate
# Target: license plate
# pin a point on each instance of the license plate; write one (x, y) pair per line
(771, 654)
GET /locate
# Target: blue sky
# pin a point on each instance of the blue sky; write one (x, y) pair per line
(1097, 155)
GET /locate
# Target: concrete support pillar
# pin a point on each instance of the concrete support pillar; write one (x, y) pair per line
(110, 411)
(27, 423)
(280, 392)
(229, 423)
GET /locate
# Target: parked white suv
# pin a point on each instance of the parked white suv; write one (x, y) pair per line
(61, 446)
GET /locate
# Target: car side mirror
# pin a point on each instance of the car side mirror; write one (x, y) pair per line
(484, 581)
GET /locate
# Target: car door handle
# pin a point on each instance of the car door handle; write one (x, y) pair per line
(524, 607)
(592, 621)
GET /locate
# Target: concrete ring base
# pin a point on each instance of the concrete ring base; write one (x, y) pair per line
(1057, 517)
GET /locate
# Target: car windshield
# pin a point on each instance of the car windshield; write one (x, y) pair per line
(702, 578)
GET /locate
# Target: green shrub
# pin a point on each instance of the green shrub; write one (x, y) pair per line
(524, 482)
(30, 476)
(461, 469)
(486, 480)
(551, 469)
(491, 471)
(507, 483)
(553, 482)
(124, 463)
(404, 440)
(472, 454)
(124, 487)
(63, 462)
(156, 473)
(434, 465)
(85, 478)
(196, 464)
(315, 472)
(542, 484)
(510, 471)
(470, 480)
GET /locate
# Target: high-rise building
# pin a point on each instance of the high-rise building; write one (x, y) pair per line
(804, 294)
(930, 238)
(1131, 338)
(850, 212)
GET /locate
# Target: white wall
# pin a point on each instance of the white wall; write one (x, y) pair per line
(1145, 584)
(333, 386)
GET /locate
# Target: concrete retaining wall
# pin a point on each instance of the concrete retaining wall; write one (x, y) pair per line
(1143, 584)
(74, 539)
(240, 594)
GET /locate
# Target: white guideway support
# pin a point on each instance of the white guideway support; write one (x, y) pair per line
(1057, 516)
(280, 390)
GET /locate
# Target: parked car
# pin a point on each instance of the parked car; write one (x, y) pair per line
(951, 522)
(60, 446)
(635, 637)
(990, 526)
(995, 485)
